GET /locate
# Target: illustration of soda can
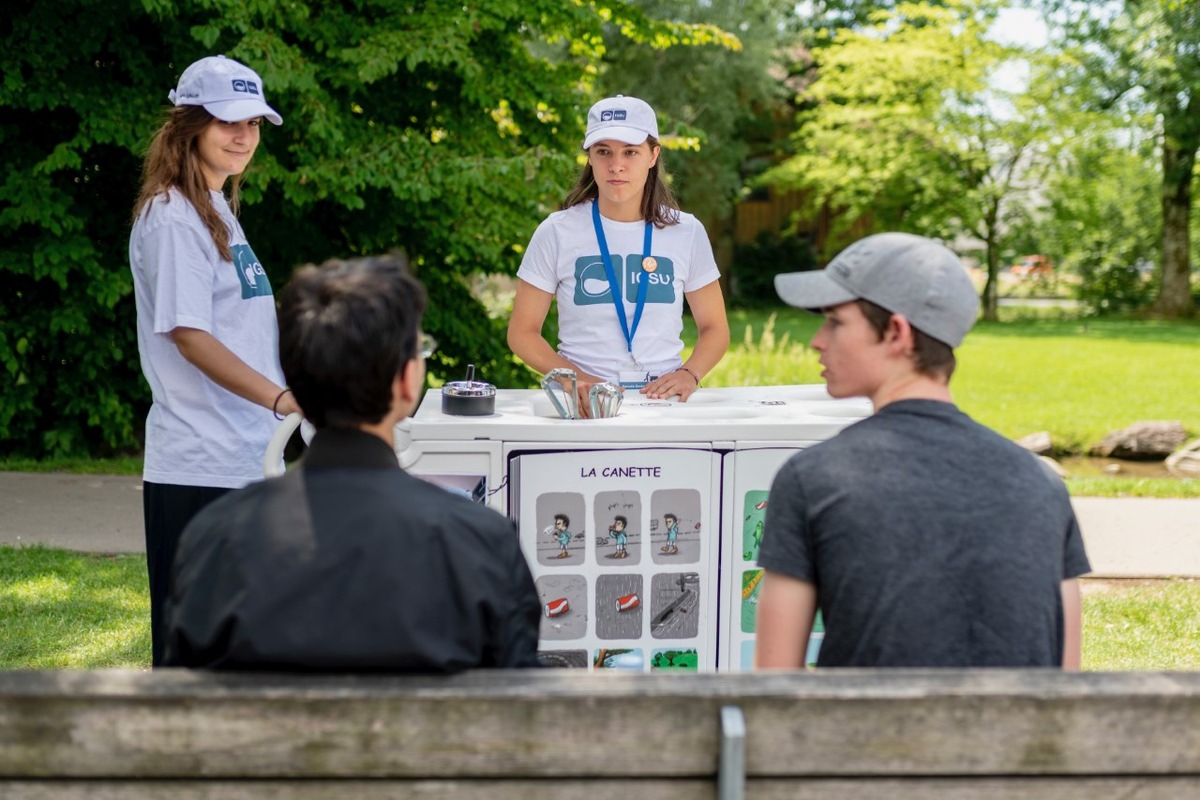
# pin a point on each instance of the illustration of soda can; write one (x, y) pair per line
(626, 602)
(556, 608)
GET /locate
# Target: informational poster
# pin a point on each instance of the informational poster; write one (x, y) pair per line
(748, 477)
(623, 545)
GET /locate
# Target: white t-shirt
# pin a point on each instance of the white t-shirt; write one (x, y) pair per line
(563, 258)
(197, 433)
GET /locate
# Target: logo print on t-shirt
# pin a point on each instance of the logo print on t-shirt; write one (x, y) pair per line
(250, 272)
(661, 282)
(591, 282)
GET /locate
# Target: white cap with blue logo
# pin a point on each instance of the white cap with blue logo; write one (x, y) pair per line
(227, 89)
(622, 119)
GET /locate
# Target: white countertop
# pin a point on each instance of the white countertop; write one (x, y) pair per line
(752, 413)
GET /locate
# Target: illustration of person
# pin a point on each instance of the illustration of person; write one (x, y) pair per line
(561, 524)
(671, 548)
(617, 533)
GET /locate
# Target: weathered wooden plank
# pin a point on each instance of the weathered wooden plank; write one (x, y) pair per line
(550, 723)
(1152, 788)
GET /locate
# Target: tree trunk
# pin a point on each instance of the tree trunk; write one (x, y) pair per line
(1175, 294)
(991, 289)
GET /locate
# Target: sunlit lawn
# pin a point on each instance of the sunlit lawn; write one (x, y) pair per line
(65, 610)
(61, 609)
(1078, 380)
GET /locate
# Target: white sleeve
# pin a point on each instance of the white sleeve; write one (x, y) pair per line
(702, 265)
(539, 267)
(179, 263)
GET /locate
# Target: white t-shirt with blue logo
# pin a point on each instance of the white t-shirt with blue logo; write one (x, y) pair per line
(563, 258)
(197, 433)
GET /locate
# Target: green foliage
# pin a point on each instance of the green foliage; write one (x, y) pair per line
(1112, 288)
(1142, 57)
(906, 127)
(440, 128)
(721, 107)
(757, 264)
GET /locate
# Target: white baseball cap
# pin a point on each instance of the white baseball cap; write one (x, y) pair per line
(227, 89)
(900, 272)
(624, 119)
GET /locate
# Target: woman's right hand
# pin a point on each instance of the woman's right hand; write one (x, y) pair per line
(584, 383)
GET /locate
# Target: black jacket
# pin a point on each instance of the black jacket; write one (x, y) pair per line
(348, 563)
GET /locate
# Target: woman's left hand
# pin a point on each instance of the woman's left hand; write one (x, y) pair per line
(680, 382)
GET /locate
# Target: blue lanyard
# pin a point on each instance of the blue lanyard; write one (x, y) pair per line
(614, 287)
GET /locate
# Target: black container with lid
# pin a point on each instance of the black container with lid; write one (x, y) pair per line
(469, 398)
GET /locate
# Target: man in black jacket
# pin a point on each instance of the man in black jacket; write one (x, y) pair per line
(347, 563)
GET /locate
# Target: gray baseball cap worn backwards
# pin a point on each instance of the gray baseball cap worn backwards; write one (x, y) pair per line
(900, 272)
(228, 89)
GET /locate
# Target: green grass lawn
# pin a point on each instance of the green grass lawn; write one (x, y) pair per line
(1077, 379)
(65, 610)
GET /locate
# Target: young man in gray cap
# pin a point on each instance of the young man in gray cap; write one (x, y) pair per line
(924, 538)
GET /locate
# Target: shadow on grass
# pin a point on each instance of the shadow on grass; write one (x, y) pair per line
(65, 610)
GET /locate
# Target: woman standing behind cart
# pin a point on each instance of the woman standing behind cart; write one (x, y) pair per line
(619, 259)
(207, 333)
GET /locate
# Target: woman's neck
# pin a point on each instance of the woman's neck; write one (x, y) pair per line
(627, 211)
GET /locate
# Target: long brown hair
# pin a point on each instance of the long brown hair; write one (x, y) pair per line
(172, 162)
(658, 203)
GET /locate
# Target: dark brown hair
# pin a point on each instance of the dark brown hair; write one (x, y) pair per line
(659, 205)
(346, 330)
(172, 161)
(932, 357)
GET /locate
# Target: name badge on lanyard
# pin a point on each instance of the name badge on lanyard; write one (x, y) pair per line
(632, 375)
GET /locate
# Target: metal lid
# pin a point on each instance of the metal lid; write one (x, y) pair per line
(469, 389)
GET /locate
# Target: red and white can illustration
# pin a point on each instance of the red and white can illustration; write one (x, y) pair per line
(556, 608)
(628, 601)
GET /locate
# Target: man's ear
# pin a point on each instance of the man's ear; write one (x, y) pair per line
(406, 386)
(899, 332)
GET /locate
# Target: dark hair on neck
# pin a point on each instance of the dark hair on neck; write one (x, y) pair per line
(931, 357)
(346, 330)
(659, 205)
(173, 162)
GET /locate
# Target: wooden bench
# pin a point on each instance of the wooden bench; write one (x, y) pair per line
(901, 735)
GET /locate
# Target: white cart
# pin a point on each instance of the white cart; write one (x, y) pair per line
(619, 587)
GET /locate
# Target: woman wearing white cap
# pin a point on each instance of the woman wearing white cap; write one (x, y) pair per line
(207, 333)
(619, 259)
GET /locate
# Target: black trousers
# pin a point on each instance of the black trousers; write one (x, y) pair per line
(168, 509)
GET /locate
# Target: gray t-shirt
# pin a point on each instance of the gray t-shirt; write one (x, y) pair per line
(932, 541)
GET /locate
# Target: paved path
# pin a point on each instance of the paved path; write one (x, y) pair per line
(1125, 537)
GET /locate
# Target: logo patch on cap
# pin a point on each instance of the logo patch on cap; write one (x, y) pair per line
(245, 86)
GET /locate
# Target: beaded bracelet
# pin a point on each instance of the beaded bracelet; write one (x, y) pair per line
(695, 377)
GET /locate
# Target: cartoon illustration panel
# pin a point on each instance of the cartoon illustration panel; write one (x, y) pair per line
(563, 538)
(618, 518)
(749, 473)
(643, 580)
(564, 606)
(676, 526)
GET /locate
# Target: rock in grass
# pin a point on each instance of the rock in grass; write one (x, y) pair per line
(1185, 463)
(1142, 441)
(1039, 443)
